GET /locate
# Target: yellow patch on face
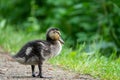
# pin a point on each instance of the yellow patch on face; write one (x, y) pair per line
(54, 35)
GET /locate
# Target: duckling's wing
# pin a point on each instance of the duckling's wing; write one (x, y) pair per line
(45, 51)
(40, 48)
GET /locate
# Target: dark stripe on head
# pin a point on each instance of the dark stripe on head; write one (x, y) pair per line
(52, 29)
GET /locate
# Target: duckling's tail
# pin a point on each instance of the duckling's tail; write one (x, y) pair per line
(18, 59)
(13, 57)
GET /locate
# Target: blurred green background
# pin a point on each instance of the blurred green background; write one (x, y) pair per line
(94, 24)
(89, 21)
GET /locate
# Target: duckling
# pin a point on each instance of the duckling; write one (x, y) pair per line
(37, 51)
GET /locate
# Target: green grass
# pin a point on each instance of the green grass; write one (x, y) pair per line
(12, 40)
(76, 60)
(97, 66)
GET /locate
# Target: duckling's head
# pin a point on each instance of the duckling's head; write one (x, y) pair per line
(53, 34)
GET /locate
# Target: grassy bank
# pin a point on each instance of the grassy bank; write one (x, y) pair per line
(76, 60)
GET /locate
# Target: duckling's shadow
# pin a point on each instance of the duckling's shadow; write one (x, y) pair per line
(31, 77)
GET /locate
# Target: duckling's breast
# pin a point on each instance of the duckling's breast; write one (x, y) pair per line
(56, 48)
(51, 51)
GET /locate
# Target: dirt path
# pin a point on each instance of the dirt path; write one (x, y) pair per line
(11, 70)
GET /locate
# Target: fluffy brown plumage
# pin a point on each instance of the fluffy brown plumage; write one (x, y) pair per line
(37, 51)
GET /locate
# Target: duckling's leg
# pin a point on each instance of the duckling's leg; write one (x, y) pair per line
(40, 70)
(33, 67)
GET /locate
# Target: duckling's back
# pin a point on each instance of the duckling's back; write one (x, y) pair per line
(31, 53)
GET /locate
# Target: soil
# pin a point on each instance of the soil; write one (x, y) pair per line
(11, 70)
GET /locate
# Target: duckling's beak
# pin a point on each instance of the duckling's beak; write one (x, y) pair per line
(61, 40)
